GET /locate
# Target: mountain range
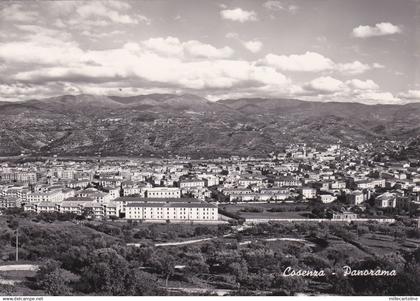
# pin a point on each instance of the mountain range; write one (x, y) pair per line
(169, 124)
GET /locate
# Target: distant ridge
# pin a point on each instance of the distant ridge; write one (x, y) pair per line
(168, 124)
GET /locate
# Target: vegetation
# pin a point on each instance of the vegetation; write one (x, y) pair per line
(92, 258)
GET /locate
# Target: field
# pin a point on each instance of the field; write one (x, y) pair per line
(263, 210)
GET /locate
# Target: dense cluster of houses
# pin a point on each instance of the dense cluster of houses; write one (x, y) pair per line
(191, 190)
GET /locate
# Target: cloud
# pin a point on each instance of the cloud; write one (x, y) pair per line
(99, 35)
(156, 62)
(380, 29)
(355, 67)
(308, 62)
(198, 49)
(14, 12)
(44, 50)
(378, 66)
(325, 85)
(87, 14)
(273, 5)
(231, 35)
(327, 88)
(238, 15)
(378, 97)
(109, 10)
(20, 91)
(293, 8)
(279, 6)
(362, 85)
(253, 46)
(314, 62)
(411, 95)
(173, 46)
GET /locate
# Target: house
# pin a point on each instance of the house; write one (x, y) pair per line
(386, 200)
(338, 185)
(114, 192)
(309, 192)
(355, 197)
(326, 198)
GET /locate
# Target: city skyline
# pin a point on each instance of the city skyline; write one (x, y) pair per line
(325, 50)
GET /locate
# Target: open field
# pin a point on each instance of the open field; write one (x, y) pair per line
(262, 210)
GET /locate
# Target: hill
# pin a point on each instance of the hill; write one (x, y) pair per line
(167, 124)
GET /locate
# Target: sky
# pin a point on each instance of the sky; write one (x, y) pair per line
(364, 51)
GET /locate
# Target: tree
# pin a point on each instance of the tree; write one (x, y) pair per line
(6, 289)
(57, 282)
(239, 269)
(54, 280)
(140, 283)
(168, 267)
(106, 272)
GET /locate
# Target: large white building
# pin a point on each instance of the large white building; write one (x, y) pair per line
(192, 183)
(77, 206)
(172, 211)
(53, 196)
(245, 182)
(163, 192)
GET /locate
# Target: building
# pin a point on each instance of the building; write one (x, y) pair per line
(10, 202)
(77, 206)
(132, 190)
(344, 216)
(338, 185)
(172, 211)
(163, 192)
(96, 195)
(41, 207)
(19, 177)
(192, 183)
(245, 182)
(355, 198)
(53, 196)
(287, 182)
(309, 193)
(386, 200)
(230, 191)
(78, 184)
(327, 198)
(20, 192)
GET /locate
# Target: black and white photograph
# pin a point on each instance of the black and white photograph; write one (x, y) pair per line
(204, 148)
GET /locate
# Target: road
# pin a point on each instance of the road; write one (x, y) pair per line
(194, 241)
(19, 267)
(196, 290)
(16, 267)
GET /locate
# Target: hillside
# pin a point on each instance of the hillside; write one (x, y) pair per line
(165, 124)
